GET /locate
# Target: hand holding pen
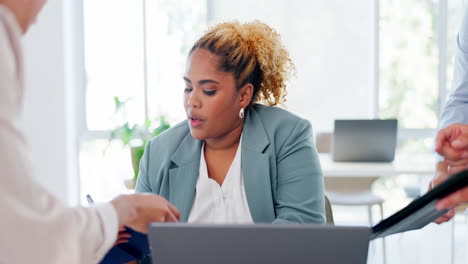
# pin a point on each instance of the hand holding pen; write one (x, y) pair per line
(137, 211)
(123, 235)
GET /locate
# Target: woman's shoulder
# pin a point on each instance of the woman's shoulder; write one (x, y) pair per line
(284, 131)
(276, 117)
(169, 140)
(282, 126)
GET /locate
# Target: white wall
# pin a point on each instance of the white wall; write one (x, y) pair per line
(331, 43)
(47, 116)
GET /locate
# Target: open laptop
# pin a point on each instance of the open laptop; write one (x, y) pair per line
(258, 243)
(365, 140)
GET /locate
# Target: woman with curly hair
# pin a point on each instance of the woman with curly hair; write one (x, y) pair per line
(237, 158)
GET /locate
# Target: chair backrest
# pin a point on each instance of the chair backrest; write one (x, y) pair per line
(328, 211)
(323, 144)
(323, 141)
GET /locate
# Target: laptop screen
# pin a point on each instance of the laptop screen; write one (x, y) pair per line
(365, 140)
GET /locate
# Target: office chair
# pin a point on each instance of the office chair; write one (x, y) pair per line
(328, 212)
(350, 191)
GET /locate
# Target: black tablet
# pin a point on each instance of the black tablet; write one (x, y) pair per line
(421, 211)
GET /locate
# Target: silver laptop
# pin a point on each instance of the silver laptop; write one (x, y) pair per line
(258, 243)
(371, 140)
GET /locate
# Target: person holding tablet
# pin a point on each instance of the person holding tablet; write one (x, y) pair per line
(454, 114)
(452, 144)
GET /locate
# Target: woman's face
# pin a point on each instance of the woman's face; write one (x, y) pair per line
(211, 99)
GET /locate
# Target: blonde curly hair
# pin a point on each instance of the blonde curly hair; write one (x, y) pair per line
(254, 54)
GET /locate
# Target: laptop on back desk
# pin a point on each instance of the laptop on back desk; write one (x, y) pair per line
(365, 140)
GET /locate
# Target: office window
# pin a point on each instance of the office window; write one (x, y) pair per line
(113, 61)
(172, 28)
(409, 62)
(136, 50)
(454, 19)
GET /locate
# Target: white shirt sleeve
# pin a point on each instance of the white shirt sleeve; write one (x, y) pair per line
(35, 226)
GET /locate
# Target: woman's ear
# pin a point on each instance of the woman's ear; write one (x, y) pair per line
(246, 93)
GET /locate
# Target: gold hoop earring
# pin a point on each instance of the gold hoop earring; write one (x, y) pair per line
(241, 113)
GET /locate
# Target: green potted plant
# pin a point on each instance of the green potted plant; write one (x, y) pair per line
(136, 137)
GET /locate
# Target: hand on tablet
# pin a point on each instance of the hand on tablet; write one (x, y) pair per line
(452, 144)
(454, 199)
(122, 237)
(440, 176)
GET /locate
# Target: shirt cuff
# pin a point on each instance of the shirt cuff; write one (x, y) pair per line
(109, 226)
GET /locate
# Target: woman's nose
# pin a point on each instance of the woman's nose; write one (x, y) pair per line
(194, 99)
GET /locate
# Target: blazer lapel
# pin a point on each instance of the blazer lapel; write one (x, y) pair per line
(256, 169)
(183, 178)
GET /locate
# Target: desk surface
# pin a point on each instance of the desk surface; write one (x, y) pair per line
(422, 165)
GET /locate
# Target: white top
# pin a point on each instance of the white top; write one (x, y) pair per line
(35, 226)
(225, 204)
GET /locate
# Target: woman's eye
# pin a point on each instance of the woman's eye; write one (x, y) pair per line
(209, 92)
(187, 90)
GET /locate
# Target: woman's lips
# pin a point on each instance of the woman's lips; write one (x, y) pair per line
(194, 122)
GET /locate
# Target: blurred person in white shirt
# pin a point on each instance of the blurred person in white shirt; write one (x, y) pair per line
(36, 227)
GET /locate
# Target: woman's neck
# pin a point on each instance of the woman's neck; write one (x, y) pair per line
(227, 141)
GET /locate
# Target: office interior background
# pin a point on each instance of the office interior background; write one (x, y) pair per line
(356, 59)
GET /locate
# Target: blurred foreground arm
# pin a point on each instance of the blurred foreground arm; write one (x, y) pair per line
(138, 210)
(37, 227)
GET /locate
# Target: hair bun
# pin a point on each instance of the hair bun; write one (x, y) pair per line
(254, 53)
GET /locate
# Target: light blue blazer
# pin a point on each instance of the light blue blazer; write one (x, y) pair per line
(282, 175)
